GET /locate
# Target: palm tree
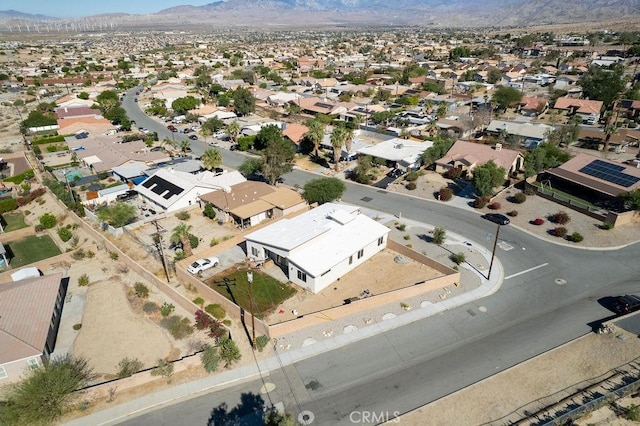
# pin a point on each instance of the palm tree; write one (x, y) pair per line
(233, 129)
(428, 106)
(315, 134)
(442, 110)
(185, 145)
(211, 158)
(181, 234)
(206, 132)
(432, 128)
(338, 139)
(348, 139)
(405, 133)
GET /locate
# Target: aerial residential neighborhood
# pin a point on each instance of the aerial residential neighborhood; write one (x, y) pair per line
(255, 213)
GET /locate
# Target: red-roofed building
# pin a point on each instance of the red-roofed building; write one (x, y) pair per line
(533, 106)
(469, 155)
(588, 109)
(295, 132)
(30, 311)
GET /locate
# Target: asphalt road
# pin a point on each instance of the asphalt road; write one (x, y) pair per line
(413, 365)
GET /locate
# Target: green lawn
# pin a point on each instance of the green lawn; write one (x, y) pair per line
(268, 293)
(31, 249)
(13, 221)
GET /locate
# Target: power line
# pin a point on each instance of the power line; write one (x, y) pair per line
(157, 240)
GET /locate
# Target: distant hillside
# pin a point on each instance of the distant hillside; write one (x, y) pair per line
(6, 15)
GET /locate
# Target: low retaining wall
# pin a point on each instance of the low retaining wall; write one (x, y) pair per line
(568, 204)
(419, 257)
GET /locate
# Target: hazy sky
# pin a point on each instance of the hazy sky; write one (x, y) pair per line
(73, 8)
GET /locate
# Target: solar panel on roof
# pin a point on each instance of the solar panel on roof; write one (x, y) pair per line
(610, 172)
(323, 105)
(162, 186)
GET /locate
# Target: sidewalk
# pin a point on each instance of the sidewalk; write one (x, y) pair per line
(313, 341)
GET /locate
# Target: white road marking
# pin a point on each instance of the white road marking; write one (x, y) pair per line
(525, 271)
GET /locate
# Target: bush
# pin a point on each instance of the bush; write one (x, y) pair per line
(411, 186)
(8, 205)
(48, 220)
(513, 213)
(560, 218)
(209, 211)
(216, 311)
(83, 280)
(64, 234)
(164, 369)
(214, 242)
(90, 254)
(150, 307)
(179, 327)
(401, 227)
(183, 215)
(519, 198)
(529, 191)
(198, 301)
(632, 413)
(77, 327)
(576, 237)
(560, 231)
(210, 358)
(606, 226)
(128, 367)
(113, 255)
(494, 206)
(38, 228)
(412, 176)
(407, 237)
(229, 351)
(537, 221)
(480, 202)
(439, 235)
(194, 241)
(458, 258)
(79, 254)
(445, 194)
(166, 309)
(262, 342)
(141, 290)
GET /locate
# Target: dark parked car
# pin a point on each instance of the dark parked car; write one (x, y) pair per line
(193, 137)
(127, 195)
(233, 148)
(498, 218)
(395, 173)
(626, 304)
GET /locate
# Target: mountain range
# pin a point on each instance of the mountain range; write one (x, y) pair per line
(270, 14)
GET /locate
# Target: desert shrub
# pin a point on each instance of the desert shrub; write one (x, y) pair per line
(519, 198)
(606, 226)
(38, 228)
(513, 213)
(179, 327)
(560, 218)
(632, 413)
(128, 367)
(141, 290)
(412, 176)
(214, 327)
(445, 194)
(537, 221)
(560, 231)
(227, 322)
(210, 358)
(494, 206)
(183, 215)
(407, 237)
(198, 301)
(77, 327)
(529, 191)
(438, 236)
(216, 311)
(401, 227)
(166, 309)
(83, 280)
(48, 220)
(209, 211)
(150, 307)
(113, 255)
(453, 173)
(262, 342)
(458, 258)
(576, 237)
(214, 242)
(480, 202)
(64, 234)
(90, 254)
(164, 369)
(194, 241)
(411, 186)
(79, 254)
(229, 351)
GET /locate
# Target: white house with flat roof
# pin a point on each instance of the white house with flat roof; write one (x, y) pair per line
(320, 246)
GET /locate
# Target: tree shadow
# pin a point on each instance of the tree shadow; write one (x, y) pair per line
(249, 412)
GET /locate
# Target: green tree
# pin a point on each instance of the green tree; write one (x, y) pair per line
(435, 152)
(439, 235)
(277, 159)
(250, 166)
(564, 135)
(323, 190)
(117, 214)
(211, 158)
(494, 75)
(243, 101)
(233, 129)
(180, 234)
(338, 139)
(315, 134)
(229, 351)
(544, 157)
(108, 99)
(506, 97)
(486, 177)
(266, 135)
(182, 105)
(632, 199)
(209, 211)
(210, 358)
(83, 95)
(603, 84)
(48, 220)
(213, 124)
(117, 115)
(46, 392)
(185, 145)
(276, 418)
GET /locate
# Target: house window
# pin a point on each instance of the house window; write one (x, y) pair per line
(302, 276)
(33, 362)
(360, 253)
(254, 252)
(380, 241)
(350, 259)
(3, 373)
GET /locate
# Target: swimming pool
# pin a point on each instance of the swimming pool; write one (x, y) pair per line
(71, 176)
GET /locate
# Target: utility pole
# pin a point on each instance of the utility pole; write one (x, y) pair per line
(251, 266)
(157, 240)
(493, 254)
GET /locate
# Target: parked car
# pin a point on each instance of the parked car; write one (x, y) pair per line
(395, 173)
(201, 265)
(187, 130)
(193, 137)
(171, 127)
(498, 218)
(156, 149)
(626, 304)
(127, 195)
